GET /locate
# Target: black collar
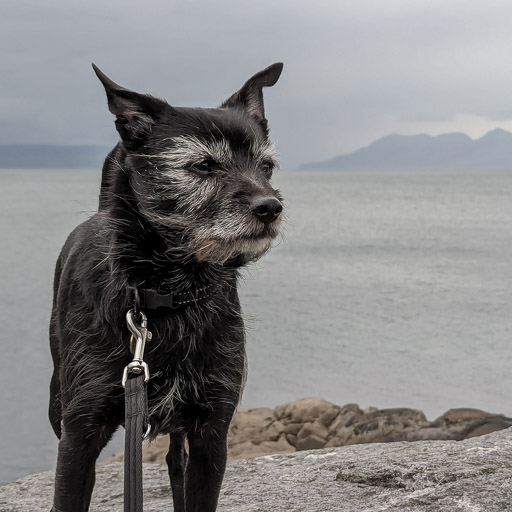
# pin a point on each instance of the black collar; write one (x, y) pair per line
(152, 299)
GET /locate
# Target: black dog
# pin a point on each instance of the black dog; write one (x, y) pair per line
(185, 201)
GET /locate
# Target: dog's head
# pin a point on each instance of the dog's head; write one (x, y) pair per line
(204, 173)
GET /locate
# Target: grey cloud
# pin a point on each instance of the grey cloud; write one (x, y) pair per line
(353, 70)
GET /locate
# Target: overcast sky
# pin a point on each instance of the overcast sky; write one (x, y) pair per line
(354, 70)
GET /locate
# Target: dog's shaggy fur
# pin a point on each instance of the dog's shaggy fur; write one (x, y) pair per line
(185, 201)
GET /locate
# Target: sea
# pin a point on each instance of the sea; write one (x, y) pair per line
(389, 289)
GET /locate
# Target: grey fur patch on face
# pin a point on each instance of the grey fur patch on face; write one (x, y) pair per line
(190, 150)
(213, 210)
(216, 251)
(266, 152)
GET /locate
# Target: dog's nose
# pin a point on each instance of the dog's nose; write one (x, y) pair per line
(266, 208)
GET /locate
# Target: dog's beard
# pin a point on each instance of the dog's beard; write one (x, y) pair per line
(221, 251)
(233, 237)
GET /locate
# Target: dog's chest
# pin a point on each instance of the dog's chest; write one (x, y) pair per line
(192, 371)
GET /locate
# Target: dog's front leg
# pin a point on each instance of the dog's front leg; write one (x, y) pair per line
(75, 473)
(176, 462)
(205, 468)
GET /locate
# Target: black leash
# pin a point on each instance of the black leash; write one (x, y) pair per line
(136, 423)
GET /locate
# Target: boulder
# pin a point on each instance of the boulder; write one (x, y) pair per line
(466, 423)
(256, 432)
(316, 428)
(302, 411)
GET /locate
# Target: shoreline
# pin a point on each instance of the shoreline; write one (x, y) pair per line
(315, 423)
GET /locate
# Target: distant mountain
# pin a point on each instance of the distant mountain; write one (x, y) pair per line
(52, 157)
(444, 152)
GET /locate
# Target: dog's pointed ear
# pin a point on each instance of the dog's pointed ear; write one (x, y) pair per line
(135, 113)
(250, 96)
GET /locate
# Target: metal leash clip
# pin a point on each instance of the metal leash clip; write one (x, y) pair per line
(140, 335)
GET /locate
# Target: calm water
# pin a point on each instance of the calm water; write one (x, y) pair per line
(391, 289)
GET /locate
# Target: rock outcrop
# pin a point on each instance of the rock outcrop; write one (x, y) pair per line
(428, 476)
(313, 423)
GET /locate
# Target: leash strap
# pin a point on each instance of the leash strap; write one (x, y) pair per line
(136, 421)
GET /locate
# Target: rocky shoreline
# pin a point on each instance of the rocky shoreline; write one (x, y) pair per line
(314, 423)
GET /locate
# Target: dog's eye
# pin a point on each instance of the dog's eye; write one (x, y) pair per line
(206, 166)
(267, 168)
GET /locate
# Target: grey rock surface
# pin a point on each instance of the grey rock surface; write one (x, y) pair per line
(472, 475)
